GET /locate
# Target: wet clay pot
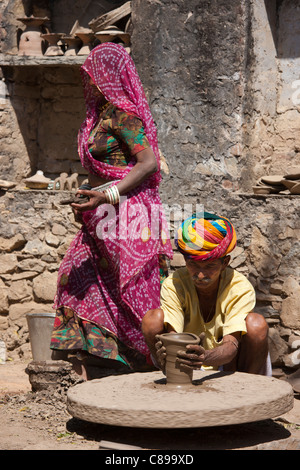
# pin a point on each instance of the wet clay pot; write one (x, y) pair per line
(174, 342)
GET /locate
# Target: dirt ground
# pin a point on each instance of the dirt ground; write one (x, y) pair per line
(40, 421)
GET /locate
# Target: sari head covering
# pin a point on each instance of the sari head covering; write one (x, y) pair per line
(205, 236)
(113, 71)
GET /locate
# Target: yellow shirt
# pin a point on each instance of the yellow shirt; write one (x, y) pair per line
(180, 303)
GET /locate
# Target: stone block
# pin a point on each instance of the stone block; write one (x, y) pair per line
(290, 286)
(18, 312)
(3, 322)
(36, 247)
(24, 275)
(4, 302)
(44, 286)
(277, 347)
(32, 265)
(11, 244)
(58, 229)
(51, 239)
(290, 311)
(178, 261)
(19, 290)
(8, 263)
(276, 288)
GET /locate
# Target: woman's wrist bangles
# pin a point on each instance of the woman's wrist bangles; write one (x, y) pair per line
(112, 195)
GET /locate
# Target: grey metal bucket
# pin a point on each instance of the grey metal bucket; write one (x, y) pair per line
(40, 326)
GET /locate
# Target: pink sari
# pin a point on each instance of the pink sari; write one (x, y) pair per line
(110, 273)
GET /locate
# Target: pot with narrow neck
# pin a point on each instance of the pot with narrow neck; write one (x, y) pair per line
(174, 342)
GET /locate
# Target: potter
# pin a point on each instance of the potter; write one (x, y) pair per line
(209, 298)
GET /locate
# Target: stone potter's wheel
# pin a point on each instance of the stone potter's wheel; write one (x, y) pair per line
(144, 400)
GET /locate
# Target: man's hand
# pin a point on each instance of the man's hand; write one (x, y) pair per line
(160, 353)
(193, 357)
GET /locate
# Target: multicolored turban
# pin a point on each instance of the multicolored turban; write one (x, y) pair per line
(205, 236)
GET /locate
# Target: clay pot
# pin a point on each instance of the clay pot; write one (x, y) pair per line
(87, 37)
(110, 33)
(294, 175)
(72, 45)
(295, 189)
(261, 190)
(53, 48)
(31, 42)
(173, 343)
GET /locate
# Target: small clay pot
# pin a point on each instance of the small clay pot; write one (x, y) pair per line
(87, 37)
(173, 343)
(53, 48)
(72, 45)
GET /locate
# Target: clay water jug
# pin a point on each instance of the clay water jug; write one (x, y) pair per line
(173, 343)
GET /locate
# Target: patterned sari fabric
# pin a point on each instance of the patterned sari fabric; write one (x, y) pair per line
(117, 138)
(109, 276)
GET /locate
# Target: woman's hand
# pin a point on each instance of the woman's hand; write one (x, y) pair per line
(96, 198)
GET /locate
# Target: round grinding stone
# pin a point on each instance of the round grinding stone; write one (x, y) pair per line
(145, 400)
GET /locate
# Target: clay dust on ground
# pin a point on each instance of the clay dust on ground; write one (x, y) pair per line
(40, 421)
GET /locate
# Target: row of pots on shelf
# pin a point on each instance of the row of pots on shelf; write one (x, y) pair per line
(80, 43)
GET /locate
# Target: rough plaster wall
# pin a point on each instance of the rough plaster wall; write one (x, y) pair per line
(191, 59)
(211, 76)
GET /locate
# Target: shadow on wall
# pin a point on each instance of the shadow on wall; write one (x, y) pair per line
(284, 19)
(49, 109)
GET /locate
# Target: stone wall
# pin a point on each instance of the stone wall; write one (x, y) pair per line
(219, 77)
(193, 66)
(36, 231)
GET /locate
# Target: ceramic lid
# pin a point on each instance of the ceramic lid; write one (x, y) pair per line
(38, 178)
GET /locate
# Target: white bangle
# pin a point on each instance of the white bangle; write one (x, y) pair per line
(112, 195)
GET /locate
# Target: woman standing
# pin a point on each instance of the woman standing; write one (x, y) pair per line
(109, 277)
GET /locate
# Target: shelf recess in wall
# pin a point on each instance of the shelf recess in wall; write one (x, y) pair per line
(23, 61)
